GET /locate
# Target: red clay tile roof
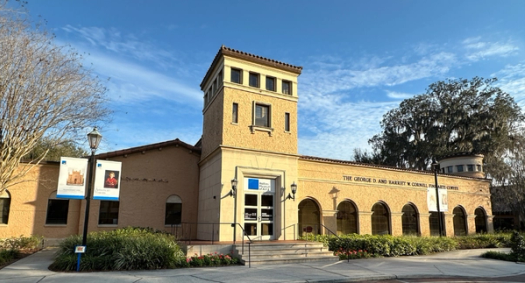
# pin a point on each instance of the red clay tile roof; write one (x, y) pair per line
(149, 147)
(249, 57)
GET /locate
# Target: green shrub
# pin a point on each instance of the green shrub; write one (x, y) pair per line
(517, 249)
(8, 255)
(32, 242)
(499, 256)
(122, 249)
(481, 241)
(212, 259)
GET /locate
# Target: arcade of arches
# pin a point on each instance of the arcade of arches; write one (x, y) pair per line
(347, 219)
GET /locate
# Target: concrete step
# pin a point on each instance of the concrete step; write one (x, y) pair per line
(279, 253)
(286, 260)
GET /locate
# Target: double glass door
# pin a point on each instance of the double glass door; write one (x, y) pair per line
(258, 215)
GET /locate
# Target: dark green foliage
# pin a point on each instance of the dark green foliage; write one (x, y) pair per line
(517, 250)
(453, 116)
(213, 259)
(498, 255)
(480, 241)
(122, 249)
(517, 246)
(56, 149)
(362, 246)
(8, 255)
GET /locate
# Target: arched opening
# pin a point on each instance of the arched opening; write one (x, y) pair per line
(480, 220)
(410, 220)
(5, 206)
(346, 218)
(434, 223)
(380, 219)
(309, 217)
(173, 210)
(459, 219)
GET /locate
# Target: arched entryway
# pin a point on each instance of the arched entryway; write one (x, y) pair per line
(460, 221)
(309, 217)
(410, 220)
(481, 220)
(346, 218)
(380, 219)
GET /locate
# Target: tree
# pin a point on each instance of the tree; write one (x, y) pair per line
(55, 151)
(453, 116)
(45, 92)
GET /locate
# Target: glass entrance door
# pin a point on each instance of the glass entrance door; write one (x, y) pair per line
(258, 215)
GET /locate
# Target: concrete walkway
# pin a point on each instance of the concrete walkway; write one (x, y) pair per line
(463, 264)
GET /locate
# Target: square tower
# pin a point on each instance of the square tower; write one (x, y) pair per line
(249, 134)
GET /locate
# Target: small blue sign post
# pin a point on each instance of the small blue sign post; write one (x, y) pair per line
(79, 250)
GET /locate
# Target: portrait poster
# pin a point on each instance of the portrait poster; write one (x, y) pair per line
(431, 199)
(72, 178)
(107, 180)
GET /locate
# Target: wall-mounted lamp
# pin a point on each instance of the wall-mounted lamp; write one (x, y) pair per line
(233, 192)
(294, 190)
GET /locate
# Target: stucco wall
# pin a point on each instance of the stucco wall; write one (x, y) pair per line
(148, 178)
(28, 209)
(362, 185)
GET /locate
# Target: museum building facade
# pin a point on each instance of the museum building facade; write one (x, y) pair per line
(245, 178)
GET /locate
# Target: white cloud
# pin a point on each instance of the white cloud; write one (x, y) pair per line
(398, 95)
(512, 80)
(479, 50)
(132, 82)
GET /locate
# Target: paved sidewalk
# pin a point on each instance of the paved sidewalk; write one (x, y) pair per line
(464, 263)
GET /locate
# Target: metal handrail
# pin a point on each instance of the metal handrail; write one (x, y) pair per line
(295, 231)
(182, 225)
(249, 245)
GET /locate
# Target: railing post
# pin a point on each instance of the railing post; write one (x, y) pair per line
(212, 232)
(249, 255)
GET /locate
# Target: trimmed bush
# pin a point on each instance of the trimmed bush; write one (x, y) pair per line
(517, 249)
(8, 255)
(122, 249)
(32, 243)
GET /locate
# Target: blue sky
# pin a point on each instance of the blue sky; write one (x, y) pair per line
(359, 58)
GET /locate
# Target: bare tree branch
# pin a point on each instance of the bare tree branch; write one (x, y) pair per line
(45, 92)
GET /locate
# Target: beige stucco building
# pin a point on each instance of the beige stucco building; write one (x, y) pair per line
(237, 180)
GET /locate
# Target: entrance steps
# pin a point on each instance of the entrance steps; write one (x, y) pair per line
(281, 252)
